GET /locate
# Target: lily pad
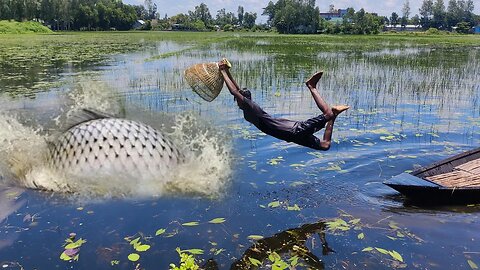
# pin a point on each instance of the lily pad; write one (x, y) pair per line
(133, 257)
(141, 248)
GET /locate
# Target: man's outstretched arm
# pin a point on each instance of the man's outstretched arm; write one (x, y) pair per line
(230, 82)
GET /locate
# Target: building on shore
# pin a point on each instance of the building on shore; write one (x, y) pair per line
(476, 29)
(334, 16)
(401, 28)
(139, 24)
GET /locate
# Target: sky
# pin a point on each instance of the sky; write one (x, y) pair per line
(382, 7)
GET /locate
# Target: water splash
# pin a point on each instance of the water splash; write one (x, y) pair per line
(206, 171)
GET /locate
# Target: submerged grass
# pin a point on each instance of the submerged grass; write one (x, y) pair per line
(32, 62)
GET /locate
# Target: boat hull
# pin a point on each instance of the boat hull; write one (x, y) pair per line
(416, 188)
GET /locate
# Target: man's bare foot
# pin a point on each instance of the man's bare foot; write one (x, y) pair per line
(312, 82)
(339, 109)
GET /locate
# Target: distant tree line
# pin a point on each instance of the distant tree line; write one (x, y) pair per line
(358, 23)
(113, 14)
(200, 19)
(286, 16)
(301, 16)
(433, 14)
(71, 14)
(457, 14)
(293, 16)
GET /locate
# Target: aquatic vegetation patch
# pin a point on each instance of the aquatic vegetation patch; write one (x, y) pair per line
(14, 27)
(72, 248)
(187, 260)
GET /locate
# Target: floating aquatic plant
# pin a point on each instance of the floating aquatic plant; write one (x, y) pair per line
(72, 248)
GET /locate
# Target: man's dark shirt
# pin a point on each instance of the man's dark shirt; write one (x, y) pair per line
(280, 128)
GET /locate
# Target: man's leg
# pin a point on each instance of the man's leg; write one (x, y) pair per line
(321, 104)
(327, 135)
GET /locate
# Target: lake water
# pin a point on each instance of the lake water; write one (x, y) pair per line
(411, 104)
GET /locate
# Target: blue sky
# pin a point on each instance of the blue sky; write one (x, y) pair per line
(382, 7)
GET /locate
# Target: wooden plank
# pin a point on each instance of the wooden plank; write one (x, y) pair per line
(446, 176)
(456, 179)
(447, 165)
(475, 183)
(471, 166)
(452, 179)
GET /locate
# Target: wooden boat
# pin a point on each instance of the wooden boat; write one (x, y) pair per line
(455, 180)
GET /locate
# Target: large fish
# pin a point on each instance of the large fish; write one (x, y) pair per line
(102, 145)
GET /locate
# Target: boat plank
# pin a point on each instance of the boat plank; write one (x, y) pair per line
(451, 179)
(457, 179)
(448, 165)
(471, 166)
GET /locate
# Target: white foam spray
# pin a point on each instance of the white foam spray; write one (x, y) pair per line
(206, 171)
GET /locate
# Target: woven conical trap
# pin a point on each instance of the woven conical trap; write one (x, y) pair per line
(205, 79)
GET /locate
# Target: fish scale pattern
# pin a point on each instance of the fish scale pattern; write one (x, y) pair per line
(113, 145)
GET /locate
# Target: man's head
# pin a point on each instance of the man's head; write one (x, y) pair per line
(246, 93)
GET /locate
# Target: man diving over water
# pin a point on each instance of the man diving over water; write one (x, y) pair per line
(299, 132)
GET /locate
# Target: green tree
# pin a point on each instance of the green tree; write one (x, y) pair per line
(141, 12)
(426, 13)
(87, 17)
(463, 27)
(224, 18)
(249, 20)
(415, 20)
(347, 22)
(403, 21)
(269, 11)
(240, 14)
(439, 15)
(198, 25)
(406, 10)
(151, 10)
(293, 16)
(180, 19)
(201, 13)
(394, 19)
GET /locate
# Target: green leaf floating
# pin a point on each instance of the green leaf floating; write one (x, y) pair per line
(194, 251)
(472, 264)
(141, 248)
(274, 204)
(255, 237)
(217, 220)
(254, 261)
(193, 223)
(383, 251)
(160, 231)
(396, 255)
(65, 257)
(133, 257)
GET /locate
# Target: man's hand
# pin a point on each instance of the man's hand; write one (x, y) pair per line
(222, 65)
